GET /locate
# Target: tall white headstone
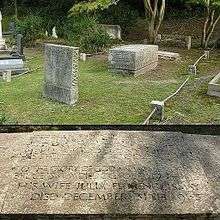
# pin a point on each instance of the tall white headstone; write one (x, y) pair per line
(2, 41)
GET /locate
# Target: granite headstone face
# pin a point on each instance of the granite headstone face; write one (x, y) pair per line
(134, 59)
(114, 31)
(61, 73)
(109, 172)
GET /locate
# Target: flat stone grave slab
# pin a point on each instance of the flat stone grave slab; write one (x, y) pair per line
(168, 55)
(214, 86)
(11, 63)
(109, 172)
(61, 73)
(133, 59)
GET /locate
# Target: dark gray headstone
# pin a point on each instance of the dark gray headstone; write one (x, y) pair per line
(61, 73)
(12, 27)
(109, 172)
(19, 42)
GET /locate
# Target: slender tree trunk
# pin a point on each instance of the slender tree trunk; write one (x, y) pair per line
(155, 15)
(16, 8)
(211, 30)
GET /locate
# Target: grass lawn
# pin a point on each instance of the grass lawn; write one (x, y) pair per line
(107, 98)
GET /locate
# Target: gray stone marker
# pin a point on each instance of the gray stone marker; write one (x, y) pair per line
(168, 55)
(192, 69)
(134, 59)
(20, 45)
(109, 172)
(214, 86)
(61, 73)
(6, 76)
(114, 31)
(9, 63)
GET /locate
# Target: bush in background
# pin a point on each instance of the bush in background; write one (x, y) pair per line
(121, 14)
(86, 33)
(31, 27)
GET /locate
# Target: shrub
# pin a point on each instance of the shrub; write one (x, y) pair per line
(85, 32)
(31, 27)
(121, 14)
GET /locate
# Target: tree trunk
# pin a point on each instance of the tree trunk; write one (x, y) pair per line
(16, 8)
(211, 30)
(155, 17)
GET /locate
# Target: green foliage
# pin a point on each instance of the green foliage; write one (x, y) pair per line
(90, 6)
(206, 3)
(2, 118)
(31, 27)
(85, 32)
(122, 14)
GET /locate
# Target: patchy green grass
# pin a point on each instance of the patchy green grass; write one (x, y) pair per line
(107, 98)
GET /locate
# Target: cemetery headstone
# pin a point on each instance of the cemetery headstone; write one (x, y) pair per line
(2, 41)
(134, 59)
(61, 73)
(20, 49)
(83, 56)
(12, 27)
(54, 33)
(188, 42)
(109, 173)
(114, 31)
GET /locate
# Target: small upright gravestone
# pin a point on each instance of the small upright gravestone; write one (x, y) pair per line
(18, 50)
(61, 73)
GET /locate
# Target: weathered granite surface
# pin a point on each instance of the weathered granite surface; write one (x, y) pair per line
(9, 63)
(214, 86)
(114, 31)
(61, 73)
(168, 55)
(109, 172)
(134, 59)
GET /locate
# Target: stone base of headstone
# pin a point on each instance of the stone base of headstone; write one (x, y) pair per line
(149, 67)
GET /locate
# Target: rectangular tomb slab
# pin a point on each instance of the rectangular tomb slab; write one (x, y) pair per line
(134, 59)
(214, 86)
(109, 172)
(61, 73)
(9, 63)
